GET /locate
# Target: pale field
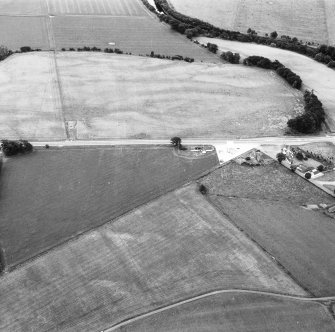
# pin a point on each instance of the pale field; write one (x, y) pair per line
(97, 7)
(287, 17)
(173, 248)
(314, 75)
(18, 31)
(238, 313)
(30, 105)
(126, 96)
(22, 7)
(135, 34)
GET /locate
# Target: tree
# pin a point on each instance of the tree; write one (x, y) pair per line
(203, 189)
(4, 52)
(280, 157)
(299, 156)
(212, 47)
(293, 168)
(321, 168)
(274, 34)
(176, 141)
(308, 175)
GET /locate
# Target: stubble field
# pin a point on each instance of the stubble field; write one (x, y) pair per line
(236, 312)
(62, 193)
(124, 96)
(173, 248)
(30, 105)
(265, 202)
(22, 7)
(287, 17)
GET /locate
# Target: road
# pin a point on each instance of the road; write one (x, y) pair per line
(192, 141)
(226, 291)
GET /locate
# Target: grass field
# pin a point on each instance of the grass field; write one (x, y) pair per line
(18, 31)
(264, 202)
(30, 105)
(123, 96)
(239, 313)
(65, 192)
(97, 7)
(314, 75)
(287, 17)
(173, 248)
(135, 34)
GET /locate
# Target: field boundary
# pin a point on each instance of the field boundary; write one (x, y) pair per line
(74, 237)
(263, 249)
(318, 300)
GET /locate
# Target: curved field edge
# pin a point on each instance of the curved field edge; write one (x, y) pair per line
(315, 76)
(173, 248)
(287, 17)
(132, 97)
(235, 311)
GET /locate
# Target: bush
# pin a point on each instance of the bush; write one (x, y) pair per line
(25, 49)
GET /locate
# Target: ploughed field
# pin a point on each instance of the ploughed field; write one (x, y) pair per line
(266, 203)
(173, 248)
(129, 97)
(62, 193)
(236, 312)
(310, 20)
(314, 75)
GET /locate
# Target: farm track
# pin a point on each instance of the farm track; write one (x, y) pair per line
(228, 291)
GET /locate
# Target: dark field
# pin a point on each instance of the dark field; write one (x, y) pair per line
(175, 247)
(264, 202)
(272, 182)
(49, 196)
(236, 312)
(138, 35)
(16, 31)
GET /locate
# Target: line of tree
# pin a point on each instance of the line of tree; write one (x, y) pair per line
(193, 27)
(231, 57)
(326, 55)
(313, 117)
(292, 78)
(12, 148)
